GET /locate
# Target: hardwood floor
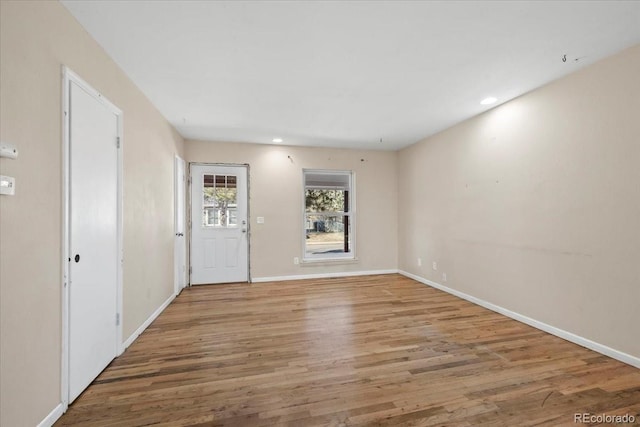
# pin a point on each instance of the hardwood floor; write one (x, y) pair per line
(371, 350)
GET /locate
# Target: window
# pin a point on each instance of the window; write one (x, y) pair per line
(219, 204)
(328, 215)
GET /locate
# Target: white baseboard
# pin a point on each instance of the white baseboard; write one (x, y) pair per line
(576, 339)
(322, 275)
(146, 323)
(53, 416)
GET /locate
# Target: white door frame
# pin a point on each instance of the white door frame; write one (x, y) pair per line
(69, 76)
(176, 286)
(190, 208)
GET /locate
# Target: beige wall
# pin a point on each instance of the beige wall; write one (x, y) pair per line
(276, 194)
(36, 38)
(535, 205)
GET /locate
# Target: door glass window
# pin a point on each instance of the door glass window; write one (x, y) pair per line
(219, 201)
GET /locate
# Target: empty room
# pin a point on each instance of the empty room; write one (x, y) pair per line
(319, 213)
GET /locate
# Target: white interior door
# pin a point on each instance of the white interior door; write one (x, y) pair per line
(93, 237)
(180, 243)
(219, 226)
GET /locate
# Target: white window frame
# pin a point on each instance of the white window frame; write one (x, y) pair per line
(351, 213)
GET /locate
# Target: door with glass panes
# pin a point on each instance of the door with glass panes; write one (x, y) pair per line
(219, 224)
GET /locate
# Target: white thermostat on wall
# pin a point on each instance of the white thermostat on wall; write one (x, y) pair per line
(8, 150)
(7, 185)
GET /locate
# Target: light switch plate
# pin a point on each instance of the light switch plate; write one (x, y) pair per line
(7, 185)
(260, 220)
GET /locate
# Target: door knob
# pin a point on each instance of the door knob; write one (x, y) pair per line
(179, 234)
(77, 257)
(244, 230)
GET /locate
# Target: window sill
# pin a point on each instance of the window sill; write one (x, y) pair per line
(327, 261)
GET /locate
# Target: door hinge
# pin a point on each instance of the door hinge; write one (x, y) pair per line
(189, 269)
(117, 319)
(118, 142)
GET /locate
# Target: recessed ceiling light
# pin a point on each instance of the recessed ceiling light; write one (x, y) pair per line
(489, 100)
(277, 139)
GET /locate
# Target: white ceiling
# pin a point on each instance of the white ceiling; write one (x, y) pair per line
(346, 74)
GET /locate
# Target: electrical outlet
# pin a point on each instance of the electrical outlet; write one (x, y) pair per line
(296, 260)
(435, 265)
(444, 277)
(419, 262)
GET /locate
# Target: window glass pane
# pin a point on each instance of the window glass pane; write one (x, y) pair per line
(210, 217)
(318, 200)
(232, 216)
(219, 200)
(325, 234)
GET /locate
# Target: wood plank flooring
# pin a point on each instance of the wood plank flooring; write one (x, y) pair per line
(372, 350)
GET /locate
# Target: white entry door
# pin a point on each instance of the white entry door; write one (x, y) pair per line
(93, 236)
(219, 226)
(180, 242)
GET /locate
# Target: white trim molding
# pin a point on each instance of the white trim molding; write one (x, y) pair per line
(53, 416)
(147, 322)
(561, 333)
(322, 275)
